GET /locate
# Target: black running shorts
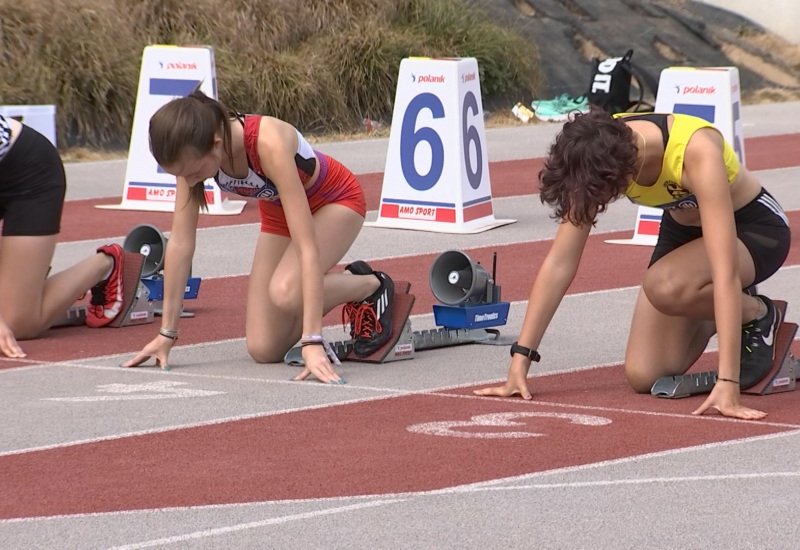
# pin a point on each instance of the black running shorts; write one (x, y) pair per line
(32, 186)
(761, 225)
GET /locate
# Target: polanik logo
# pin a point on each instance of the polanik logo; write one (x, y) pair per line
(177, 66)
(698, 90)
(428, 79)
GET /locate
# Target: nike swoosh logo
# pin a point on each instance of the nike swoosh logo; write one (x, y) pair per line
(770, 337)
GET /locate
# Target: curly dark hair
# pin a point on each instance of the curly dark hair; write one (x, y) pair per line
(588, 166)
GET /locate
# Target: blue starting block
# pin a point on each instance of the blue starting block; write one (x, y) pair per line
(156, 287)
(471, 316)
(155, 284)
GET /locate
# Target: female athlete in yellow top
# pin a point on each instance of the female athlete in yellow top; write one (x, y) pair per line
(721, 232)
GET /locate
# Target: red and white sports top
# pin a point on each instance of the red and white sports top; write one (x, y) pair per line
(256, 184)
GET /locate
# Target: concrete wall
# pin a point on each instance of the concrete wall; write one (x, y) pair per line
(779, 16)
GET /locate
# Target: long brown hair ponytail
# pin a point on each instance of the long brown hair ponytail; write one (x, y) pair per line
(190, 122)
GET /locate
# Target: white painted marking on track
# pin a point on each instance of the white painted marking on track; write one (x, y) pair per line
(501, 420)
(641, 481)
(458, 489)
(253, 525)
(393, 393)
(707, 417)
(207, 533)
(592, 466)
(162, 389)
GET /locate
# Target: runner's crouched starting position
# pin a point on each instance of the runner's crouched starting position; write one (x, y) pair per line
(721, 232)
(312, 208)
(32, 191)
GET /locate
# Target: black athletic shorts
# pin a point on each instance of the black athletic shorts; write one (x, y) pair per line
(32, 186)
(761, 225)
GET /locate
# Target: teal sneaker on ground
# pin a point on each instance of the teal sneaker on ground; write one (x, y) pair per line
(556, 100)
(560, 108)
(580, 104)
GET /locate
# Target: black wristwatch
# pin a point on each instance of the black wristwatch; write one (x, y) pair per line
(531, 354)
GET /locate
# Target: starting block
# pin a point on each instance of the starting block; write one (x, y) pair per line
(783, 374)
(781, 377)
(140, 312)
(404, 342)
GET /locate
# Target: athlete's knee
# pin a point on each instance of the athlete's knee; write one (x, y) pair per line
(286, 293)
(262, 351)
(667, 290)
(640, 379)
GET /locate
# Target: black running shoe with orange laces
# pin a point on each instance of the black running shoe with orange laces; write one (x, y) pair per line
(372, 318)
(358, 267)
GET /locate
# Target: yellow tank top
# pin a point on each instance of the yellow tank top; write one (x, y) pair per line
(667, 192)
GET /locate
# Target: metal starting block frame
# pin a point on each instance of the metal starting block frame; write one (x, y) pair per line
(141, 312)
(409, 343)
(405, 344)
(781, 377)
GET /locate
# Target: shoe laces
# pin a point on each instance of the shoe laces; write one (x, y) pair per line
(365, 322)
(751, 336)
(349, 311)
(101, 293)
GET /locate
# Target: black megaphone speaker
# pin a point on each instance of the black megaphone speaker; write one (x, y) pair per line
(455, 279)
(151, 243)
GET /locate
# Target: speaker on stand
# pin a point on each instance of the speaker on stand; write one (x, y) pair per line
(149, 241)
(468, 294)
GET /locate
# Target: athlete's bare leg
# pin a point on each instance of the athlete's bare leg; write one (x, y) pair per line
(674, 315)
(30, 302)
(274, 299)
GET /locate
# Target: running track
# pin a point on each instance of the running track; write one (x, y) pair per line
(383, 439)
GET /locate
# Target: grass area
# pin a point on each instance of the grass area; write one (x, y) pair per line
(495, 119)
(321, 65)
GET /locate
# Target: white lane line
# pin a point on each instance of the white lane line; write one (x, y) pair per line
(207, 533)
(600, 408)
(175, 427)
(75, 363)
(471, 488)
(150, 369)
(252, 525)
(641, 481)
(393, 393)
(593, 466)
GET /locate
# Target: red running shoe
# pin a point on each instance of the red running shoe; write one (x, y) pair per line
(113, 297)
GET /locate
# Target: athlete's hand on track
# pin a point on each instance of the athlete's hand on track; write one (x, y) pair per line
(517, 384)
(8, 344)
(159, 347)
(317, 363)
(725, 398)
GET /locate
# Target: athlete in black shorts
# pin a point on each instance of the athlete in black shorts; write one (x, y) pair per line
(32, 191)
(720, 234)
